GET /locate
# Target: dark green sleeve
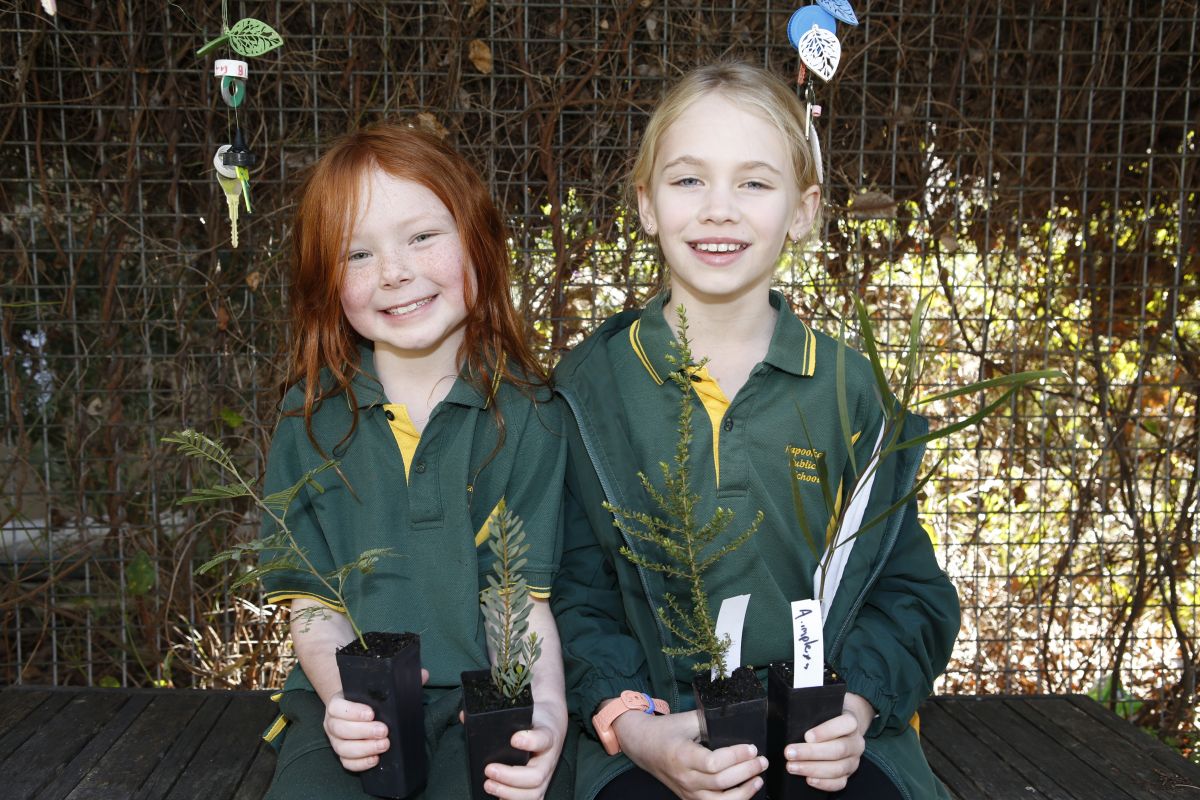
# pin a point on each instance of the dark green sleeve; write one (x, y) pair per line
(291, 455)
(601, 657)
(903, 636)
(534, 492)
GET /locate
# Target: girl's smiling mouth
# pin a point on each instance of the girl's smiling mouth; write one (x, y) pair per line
(408, 308)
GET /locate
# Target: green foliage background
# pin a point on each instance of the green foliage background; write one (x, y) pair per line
(1032, 162)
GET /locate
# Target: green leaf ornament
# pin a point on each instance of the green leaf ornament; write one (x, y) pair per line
(249, 37)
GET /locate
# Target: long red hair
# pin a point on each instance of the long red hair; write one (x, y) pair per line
(495, 341)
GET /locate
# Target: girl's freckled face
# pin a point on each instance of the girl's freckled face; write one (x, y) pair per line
(406, 274)
(722, 200)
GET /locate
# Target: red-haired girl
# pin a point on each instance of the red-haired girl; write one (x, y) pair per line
(410, 366)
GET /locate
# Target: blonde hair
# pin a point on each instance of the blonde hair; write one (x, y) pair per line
(755, 90)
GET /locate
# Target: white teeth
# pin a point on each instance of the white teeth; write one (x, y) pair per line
(398, 310)
(718, 247)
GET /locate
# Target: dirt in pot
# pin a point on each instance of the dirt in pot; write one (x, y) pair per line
(379, 644)
(741, 684)
(480, 696)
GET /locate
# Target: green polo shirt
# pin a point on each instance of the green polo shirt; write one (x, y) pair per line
(435, 519)
(745, 450)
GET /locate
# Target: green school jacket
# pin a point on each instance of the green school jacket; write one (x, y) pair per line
(891, 626)
(436, 522)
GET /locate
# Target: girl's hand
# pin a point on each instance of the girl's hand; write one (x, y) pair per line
(668, 748)
(830, 752)
(353, 732)
(544, 743)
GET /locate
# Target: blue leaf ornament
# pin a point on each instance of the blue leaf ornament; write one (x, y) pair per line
(806, 17)
(840, 9)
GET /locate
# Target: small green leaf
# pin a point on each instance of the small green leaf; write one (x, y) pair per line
(213, 45)
(1018, 379)
(109, 682)
(250, 37)
(207, 494)
(139, 574)
(232, 418)
(219, 558)
(868, 334)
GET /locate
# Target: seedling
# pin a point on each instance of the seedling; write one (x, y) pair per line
(285, 553)
(676, 532)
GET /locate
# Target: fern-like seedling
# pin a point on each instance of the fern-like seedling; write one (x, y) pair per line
(506, 608)
(286, 553)
(679, 536)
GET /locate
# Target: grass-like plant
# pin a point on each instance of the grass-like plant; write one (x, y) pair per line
(844, 527)
(675, 531)
(506, 608)
(286, 553)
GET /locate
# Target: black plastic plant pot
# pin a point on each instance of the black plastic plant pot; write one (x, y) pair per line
(490, 721)
(733, 711)
(793, 712)
(387, 677)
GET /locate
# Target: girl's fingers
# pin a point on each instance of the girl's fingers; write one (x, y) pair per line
(359, 748)
(531, 776)
(843, 725)
(702, 759)
(534, 740)
(353, 730)
(827, 784)
(838, 770)
(360, 764)
(344, 709)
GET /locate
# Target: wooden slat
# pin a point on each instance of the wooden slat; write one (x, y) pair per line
(97, 748)
(18, 703)
(187, 741)
(1058, 763)
(27, 724)
(1144, 766)
(134, 756)
(259, 774)
(959, 785)
(1091, 743)
(997, 770)
(221, 761)
(59, 738)
(1142, 741)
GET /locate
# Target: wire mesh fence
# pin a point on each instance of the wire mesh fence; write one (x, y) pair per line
(1033, 165)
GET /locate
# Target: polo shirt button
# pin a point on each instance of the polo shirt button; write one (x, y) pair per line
(728, 423)
(390, 416)
(419, 467)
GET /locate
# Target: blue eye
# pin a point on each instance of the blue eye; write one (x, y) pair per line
(686, 182)
(358, 255)
(756, 185)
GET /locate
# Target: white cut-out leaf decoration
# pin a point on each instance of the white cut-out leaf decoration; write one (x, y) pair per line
(841, 10)
(820, 51)
(250, 37)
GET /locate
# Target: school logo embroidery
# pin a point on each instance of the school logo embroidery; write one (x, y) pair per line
(804, 463)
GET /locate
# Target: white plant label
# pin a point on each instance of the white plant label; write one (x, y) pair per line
(809, 666)
(730, 620)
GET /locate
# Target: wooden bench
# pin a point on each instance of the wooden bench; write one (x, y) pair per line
(109, 744)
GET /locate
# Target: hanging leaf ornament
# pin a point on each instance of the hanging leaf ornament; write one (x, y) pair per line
(804, 18)
(840, 9)
(820, 51)
(248, 37)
